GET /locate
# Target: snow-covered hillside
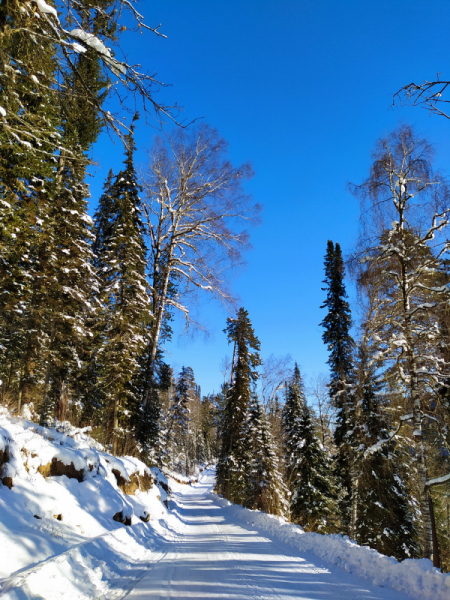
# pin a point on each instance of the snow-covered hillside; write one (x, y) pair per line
(58, 537)
(62, 496)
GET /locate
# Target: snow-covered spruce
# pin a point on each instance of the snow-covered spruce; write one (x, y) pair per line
(308, 467)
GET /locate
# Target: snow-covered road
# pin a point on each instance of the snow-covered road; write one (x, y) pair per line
(209, 555)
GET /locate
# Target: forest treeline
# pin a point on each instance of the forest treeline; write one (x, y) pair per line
(378, 470)
(87, 305)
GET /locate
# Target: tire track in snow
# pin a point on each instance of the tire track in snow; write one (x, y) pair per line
(212, 556)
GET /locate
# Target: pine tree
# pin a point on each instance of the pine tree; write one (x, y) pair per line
(337, 337)
(264, 487)
(121, 269)
(231, 466)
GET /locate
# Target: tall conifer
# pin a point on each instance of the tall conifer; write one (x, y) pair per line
(384, 515)
(307, 465)
(264, 487)
(292, 412)
(231, 466)
(48, 257)
(123, 293)
(339, 342)
(27, 182)
(178, 420)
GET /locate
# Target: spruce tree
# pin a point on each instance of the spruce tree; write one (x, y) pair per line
(231, 468)
(123, 293)
(384, 515)
(48, 273)
(292, 412)
(150, 433)
(339, 342)
(264, 487)
(27, 182)
(67, 309)
(49, 278)
(313, 489)
(307, 464)
(208, 432)
(178, 421)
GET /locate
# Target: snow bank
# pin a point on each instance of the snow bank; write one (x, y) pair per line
(418, 578)
(65, 507)
(109, 564)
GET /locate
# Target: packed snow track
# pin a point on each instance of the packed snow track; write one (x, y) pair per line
(209, 556)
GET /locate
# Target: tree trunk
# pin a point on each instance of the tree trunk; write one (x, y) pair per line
(115, 426)
(436, 553)
(19, 397)
(354, 515)
(417, 418)
(427, 536)
(156, 332)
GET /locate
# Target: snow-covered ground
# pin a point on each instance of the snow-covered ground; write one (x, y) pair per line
(58, 538)
(220, 550)
(203, 547)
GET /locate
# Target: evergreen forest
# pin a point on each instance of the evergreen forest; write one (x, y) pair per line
(87, 304)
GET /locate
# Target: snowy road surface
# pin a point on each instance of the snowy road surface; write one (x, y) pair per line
(213, 557)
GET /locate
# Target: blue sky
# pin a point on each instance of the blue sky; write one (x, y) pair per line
(302, 89)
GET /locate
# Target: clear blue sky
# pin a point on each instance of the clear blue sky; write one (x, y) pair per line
(302, 89)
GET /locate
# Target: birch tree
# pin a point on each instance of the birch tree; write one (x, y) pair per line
(384, 515)
(194, 206)
(401, 246)
(275, 372)
(318, 393)
(431, 94)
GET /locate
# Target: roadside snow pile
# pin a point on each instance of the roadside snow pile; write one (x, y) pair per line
(418, 578)
(65, 505)
(106, 567)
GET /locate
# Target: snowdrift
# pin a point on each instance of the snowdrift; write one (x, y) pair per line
(66, 508)
(418, 578)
